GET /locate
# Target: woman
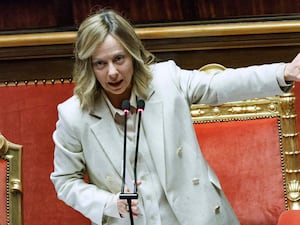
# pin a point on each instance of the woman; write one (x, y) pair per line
(175, 184)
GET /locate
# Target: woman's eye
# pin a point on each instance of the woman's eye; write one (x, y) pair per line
(119, 58)
(99, 64)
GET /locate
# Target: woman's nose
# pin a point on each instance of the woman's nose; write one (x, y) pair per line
(112, 70)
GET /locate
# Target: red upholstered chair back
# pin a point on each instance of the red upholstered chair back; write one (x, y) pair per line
(253, 148)
(28, 114)
(289, 217)
(10, 183)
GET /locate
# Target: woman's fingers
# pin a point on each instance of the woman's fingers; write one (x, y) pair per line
(123, 207)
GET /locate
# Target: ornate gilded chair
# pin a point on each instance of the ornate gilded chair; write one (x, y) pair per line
(10, 183)
(252, 146)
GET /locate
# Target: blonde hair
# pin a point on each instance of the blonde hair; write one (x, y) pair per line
(91, 34)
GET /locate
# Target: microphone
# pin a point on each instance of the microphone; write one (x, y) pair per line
(140, 109)
(125, 107)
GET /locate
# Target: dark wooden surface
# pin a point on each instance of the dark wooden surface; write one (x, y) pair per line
(19, 16)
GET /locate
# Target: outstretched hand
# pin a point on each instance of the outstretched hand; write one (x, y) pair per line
(292, 70)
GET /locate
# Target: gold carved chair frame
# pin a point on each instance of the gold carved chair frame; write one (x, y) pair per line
(281, 107)
(12, 153)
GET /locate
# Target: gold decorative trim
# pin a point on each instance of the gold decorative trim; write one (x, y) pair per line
(224, 29)
(293, 193)
(292, 153)
(12, 154)
(183, 31)
(36, 82)
(37, 39)
(266, 107)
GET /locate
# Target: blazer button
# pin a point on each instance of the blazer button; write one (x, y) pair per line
(179, 151)
(217, 209)
(196, 181)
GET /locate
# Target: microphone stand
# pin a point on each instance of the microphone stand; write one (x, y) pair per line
(134, 195)
(123, 195)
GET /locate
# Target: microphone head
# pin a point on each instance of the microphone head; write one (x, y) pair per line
(125, 105)
(141, 104)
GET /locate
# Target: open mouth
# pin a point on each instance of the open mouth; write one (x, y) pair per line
(115, 84)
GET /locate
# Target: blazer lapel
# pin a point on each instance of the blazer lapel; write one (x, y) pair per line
(107, 135)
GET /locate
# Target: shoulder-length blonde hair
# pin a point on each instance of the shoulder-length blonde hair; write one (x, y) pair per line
(91, 34)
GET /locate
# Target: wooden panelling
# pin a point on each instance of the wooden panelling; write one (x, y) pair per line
(49, 56)
(61, 15)
(22, 15)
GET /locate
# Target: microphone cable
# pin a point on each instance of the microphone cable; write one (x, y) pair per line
(140, 109)
(125, 108)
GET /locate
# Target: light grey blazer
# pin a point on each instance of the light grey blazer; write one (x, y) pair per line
(87, 141)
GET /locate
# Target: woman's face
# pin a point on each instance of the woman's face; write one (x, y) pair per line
(113, 67)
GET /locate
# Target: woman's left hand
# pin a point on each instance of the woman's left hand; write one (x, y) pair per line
(292, 70)
(122, 205)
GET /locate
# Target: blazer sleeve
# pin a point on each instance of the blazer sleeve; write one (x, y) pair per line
(69, 170)
(228, 85)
